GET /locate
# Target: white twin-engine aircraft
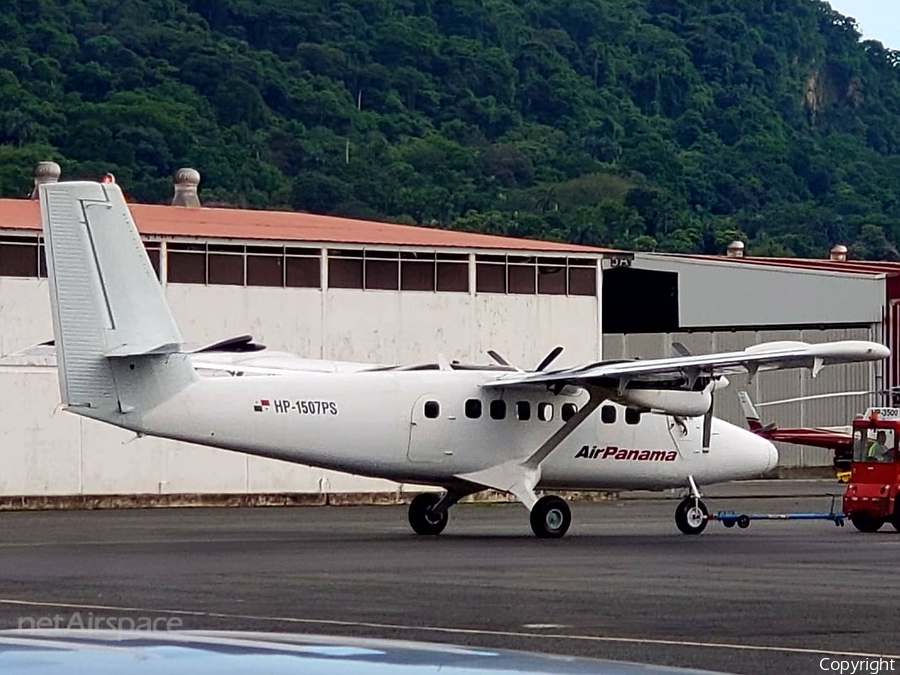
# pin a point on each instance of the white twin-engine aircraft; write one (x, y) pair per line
(461, 428)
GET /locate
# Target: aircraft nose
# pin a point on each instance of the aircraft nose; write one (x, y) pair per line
(773, 455)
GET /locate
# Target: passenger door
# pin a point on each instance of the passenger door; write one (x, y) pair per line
(431, 430)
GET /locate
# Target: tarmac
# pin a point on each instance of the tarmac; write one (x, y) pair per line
(623, 584)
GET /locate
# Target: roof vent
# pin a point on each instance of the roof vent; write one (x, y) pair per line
(838, 253)
(44, 172)
(186, 183)
(735, 249)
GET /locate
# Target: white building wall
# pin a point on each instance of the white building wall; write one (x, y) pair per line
(48, 452)
(24, 313)
(389, 326)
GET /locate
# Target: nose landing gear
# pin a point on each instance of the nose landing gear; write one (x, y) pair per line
(692, 516)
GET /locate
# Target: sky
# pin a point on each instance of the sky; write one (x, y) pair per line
(876, 19)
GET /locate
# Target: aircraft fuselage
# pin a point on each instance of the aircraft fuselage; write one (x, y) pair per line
(429, 426)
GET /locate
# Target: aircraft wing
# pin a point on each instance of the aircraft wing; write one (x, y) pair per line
(817, 438)
(766, 356)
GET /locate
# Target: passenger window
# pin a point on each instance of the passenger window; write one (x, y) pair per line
(473, 408)
(432, 409)
(608, 414)
(498, 409)
(523, 410)
(632, 416)
(545, 412)
(568, 411)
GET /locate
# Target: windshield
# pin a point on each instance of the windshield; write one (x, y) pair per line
(874, 445)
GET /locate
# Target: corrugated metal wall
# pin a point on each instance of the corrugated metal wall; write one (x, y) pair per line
(772, 386)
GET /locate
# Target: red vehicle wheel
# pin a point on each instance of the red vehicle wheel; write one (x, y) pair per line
(867, 523)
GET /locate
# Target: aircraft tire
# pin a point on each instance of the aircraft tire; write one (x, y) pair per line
(867, 524)
(691, 518)
(421, 517)
(550, 517)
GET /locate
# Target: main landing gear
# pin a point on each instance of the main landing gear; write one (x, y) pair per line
(428, 514)
(424, 518)
(550, 517)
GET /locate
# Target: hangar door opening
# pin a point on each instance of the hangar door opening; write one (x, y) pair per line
(639, 301)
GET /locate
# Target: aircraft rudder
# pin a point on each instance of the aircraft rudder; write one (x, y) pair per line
(104, 294)
(749, 411)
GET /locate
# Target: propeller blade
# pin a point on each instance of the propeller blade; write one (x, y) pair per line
(707, 422)
(503, 362)
(499, 359)
(680, 349)
(550, 358)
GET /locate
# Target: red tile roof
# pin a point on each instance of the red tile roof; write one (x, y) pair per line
(214, 223)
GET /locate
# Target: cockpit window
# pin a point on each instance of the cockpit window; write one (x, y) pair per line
(874, 445)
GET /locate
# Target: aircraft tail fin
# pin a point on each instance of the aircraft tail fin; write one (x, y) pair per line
(749, 411)
(114, 330)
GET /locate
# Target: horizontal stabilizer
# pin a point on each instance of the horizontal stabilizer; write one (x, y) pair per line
(235, 345)
(126, 351)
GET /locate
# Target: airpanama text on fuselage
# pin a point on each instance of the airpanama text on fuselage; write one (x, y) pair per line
(613, 452)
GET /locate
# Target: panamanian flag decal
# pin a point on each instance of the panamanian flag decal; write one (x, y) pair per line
(261, 405)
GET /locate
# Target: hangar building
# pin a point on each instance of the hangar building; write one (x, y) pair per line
(321, 287)
(728, 302)
(345, 289)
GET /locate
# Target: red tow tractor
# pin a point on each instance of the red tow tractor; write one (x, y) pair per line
(866, 458)
(871, 497)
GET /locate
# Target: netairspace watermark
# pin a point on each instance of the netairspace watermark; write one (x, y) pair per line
(91, 621)
(857, 666)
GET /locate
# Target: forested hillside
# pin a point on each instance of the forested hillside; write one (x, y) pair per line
(673, 125)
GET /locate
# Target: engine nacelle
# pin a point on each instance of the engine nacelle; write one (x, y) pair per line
(667, 401)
